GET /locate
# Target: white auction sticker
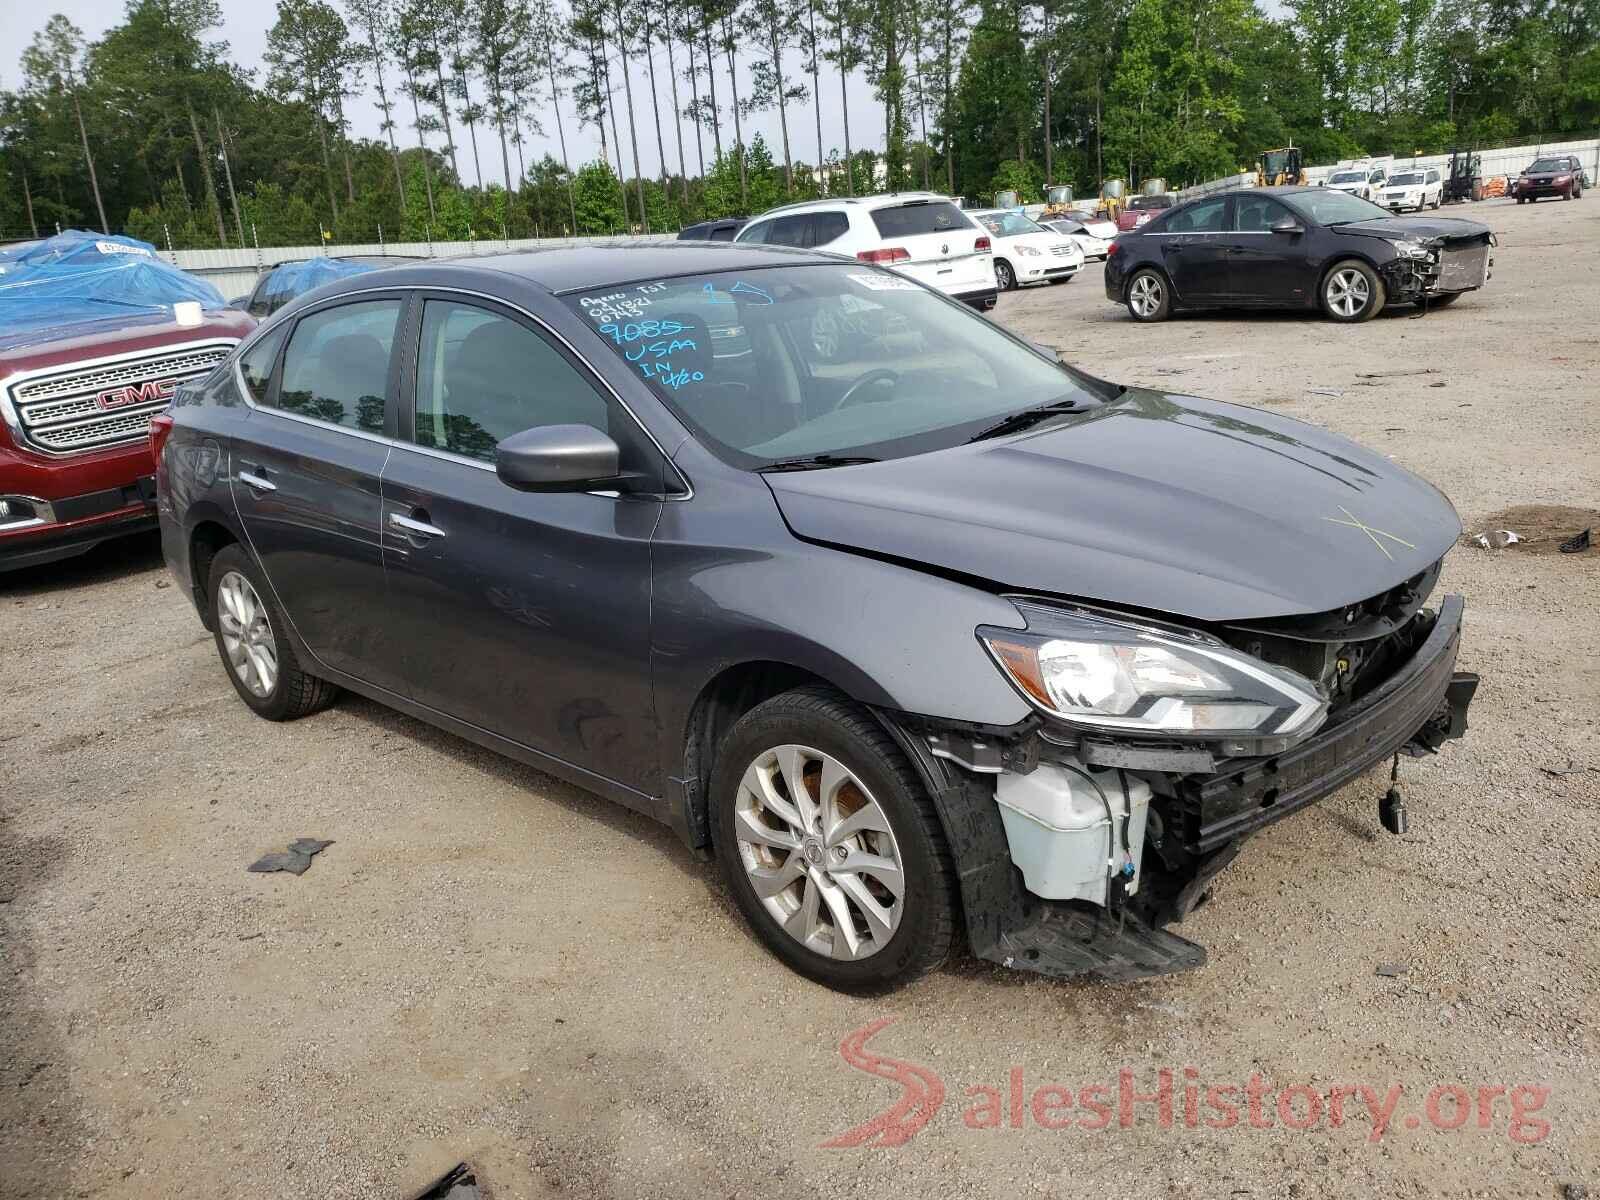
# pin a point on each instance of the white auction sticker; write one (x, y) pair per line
(883, 283)
(119, 248)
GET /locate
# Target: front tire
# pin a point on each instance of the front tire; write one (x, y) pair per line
(830, 844)
(1004, 277)
(1351, 292)
(1149, 297)
(250, 632)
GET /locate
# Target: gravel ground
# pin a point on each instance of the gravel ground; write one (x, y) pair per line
(491, 965)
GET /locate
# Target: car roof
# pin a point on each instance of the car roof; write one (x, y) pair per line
(879, 200)
(608, 264)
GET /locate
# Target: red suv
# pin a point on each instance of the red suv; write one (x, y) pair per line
(96, 333)
(1554, 175)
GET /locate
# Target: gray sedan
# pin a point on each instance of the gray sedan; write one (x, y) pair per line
(911, 626)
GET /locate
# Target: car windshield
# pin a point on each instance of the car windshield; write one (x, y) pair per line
(1546, 164)
(1408, 180)
(842, 360)
(1332, 208)
(1348, 177)
(1007, 224)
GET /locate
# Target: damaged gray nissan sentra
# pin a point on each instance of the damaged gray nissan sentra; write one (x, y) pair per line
(906, 622)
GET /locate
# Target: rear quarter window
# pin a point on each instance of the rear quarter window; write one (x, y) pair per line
(908, 220)
(828, 227)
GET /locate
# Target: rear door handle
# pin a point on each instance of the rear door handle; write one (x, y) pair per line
(412, 527)
(259, 482)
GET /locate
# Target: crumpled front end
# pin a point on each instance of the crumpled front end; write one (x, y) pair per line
(1076, 848)
(1439, 266)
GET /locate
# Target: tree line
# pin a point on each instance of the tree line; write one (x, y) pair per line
(153, 130)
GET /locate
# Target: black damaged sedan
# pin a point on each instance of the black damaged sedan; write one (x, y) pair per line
(912, 627)
(1295, 247)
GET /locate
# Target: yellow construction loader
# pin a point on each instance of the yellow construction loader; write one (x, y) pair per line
(1057, 201)
(1276, 167)
(1113, 199)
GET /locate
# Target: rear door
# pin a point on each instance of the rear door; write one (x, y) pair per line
(524, 614)
(940, 242)
(1264, 267)
(1194, 248)
(305, 481)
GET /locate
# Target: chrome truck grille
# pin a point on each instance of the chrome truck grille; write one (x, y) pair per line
(103, 402)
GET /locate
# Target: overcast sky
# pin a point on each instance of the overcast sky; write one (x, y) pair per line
(244, 28)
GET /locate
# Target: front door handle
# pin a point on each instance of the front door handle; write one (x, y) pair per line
(412, 527)
(259, 482)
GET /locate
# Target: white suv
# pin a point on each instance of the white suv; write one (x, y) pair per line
(920, 234)
(1416, 188)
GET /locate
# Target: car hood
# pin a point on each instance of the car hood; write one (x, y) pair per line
(1205, 510)
(1415, 228)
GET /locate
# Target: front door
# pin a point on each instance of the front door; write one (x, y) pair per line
(1194, 249)
(306, 467)
(1264, 267)
(524, 614)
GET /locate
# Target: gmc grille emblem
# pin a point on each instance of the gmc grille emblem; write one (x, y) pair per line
(137, 393)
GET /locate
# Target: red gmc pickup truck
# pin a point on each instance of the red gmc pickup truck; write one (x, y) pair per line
(75, 406)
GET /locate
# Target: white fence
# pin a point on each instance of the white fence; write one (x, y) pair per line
(1502, 160)
(233, 272)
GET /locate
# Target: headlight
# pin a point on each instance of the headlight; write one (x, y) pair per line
(1099, 672)
(1028, 251)
(1411, 249)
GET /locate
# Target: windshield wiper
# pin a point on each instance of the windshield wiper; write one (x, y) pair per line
(814, 462)
(1013, 422)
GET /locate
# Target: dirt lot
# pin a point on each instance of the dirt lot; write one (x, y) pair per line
(491, 965)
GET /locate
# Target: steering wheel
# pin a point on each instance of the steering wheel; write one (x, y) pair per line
(876, 375)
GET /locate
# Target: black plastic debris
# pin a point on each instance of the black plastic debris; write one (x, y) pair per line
(1575, 545)
(1391, 970)
(295, 859)
(460, 1182)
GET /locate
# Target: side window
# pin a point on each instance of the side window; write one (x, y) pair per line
(256, 365)
(1255, 214)
(758, 233)
(790, 231)
(1203, 217)
(482, 377)
(336, 367)
(722, 233)
(828, 226)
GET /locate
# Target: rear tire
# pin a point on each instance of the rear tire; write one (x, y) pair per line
(865, 827)
(1149, 297)
(252, 641)
(1351, 291)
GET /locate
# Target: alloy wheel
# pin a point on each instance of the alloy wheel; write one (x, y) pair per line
(819, 852)
(1145, 295)
(1348, 292)
(1002, 276)
(247, 635)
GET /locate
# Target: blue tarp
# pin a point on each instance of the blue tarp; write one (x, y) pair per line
(293, 279)
(78, 276)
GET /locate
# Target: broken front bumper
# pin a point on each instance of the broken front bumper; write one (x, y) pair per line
(1203, 821)
(1425, 702)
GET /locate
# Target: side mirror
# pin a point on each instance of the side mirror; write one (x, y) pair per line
(558, 458)
(1287, 225)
